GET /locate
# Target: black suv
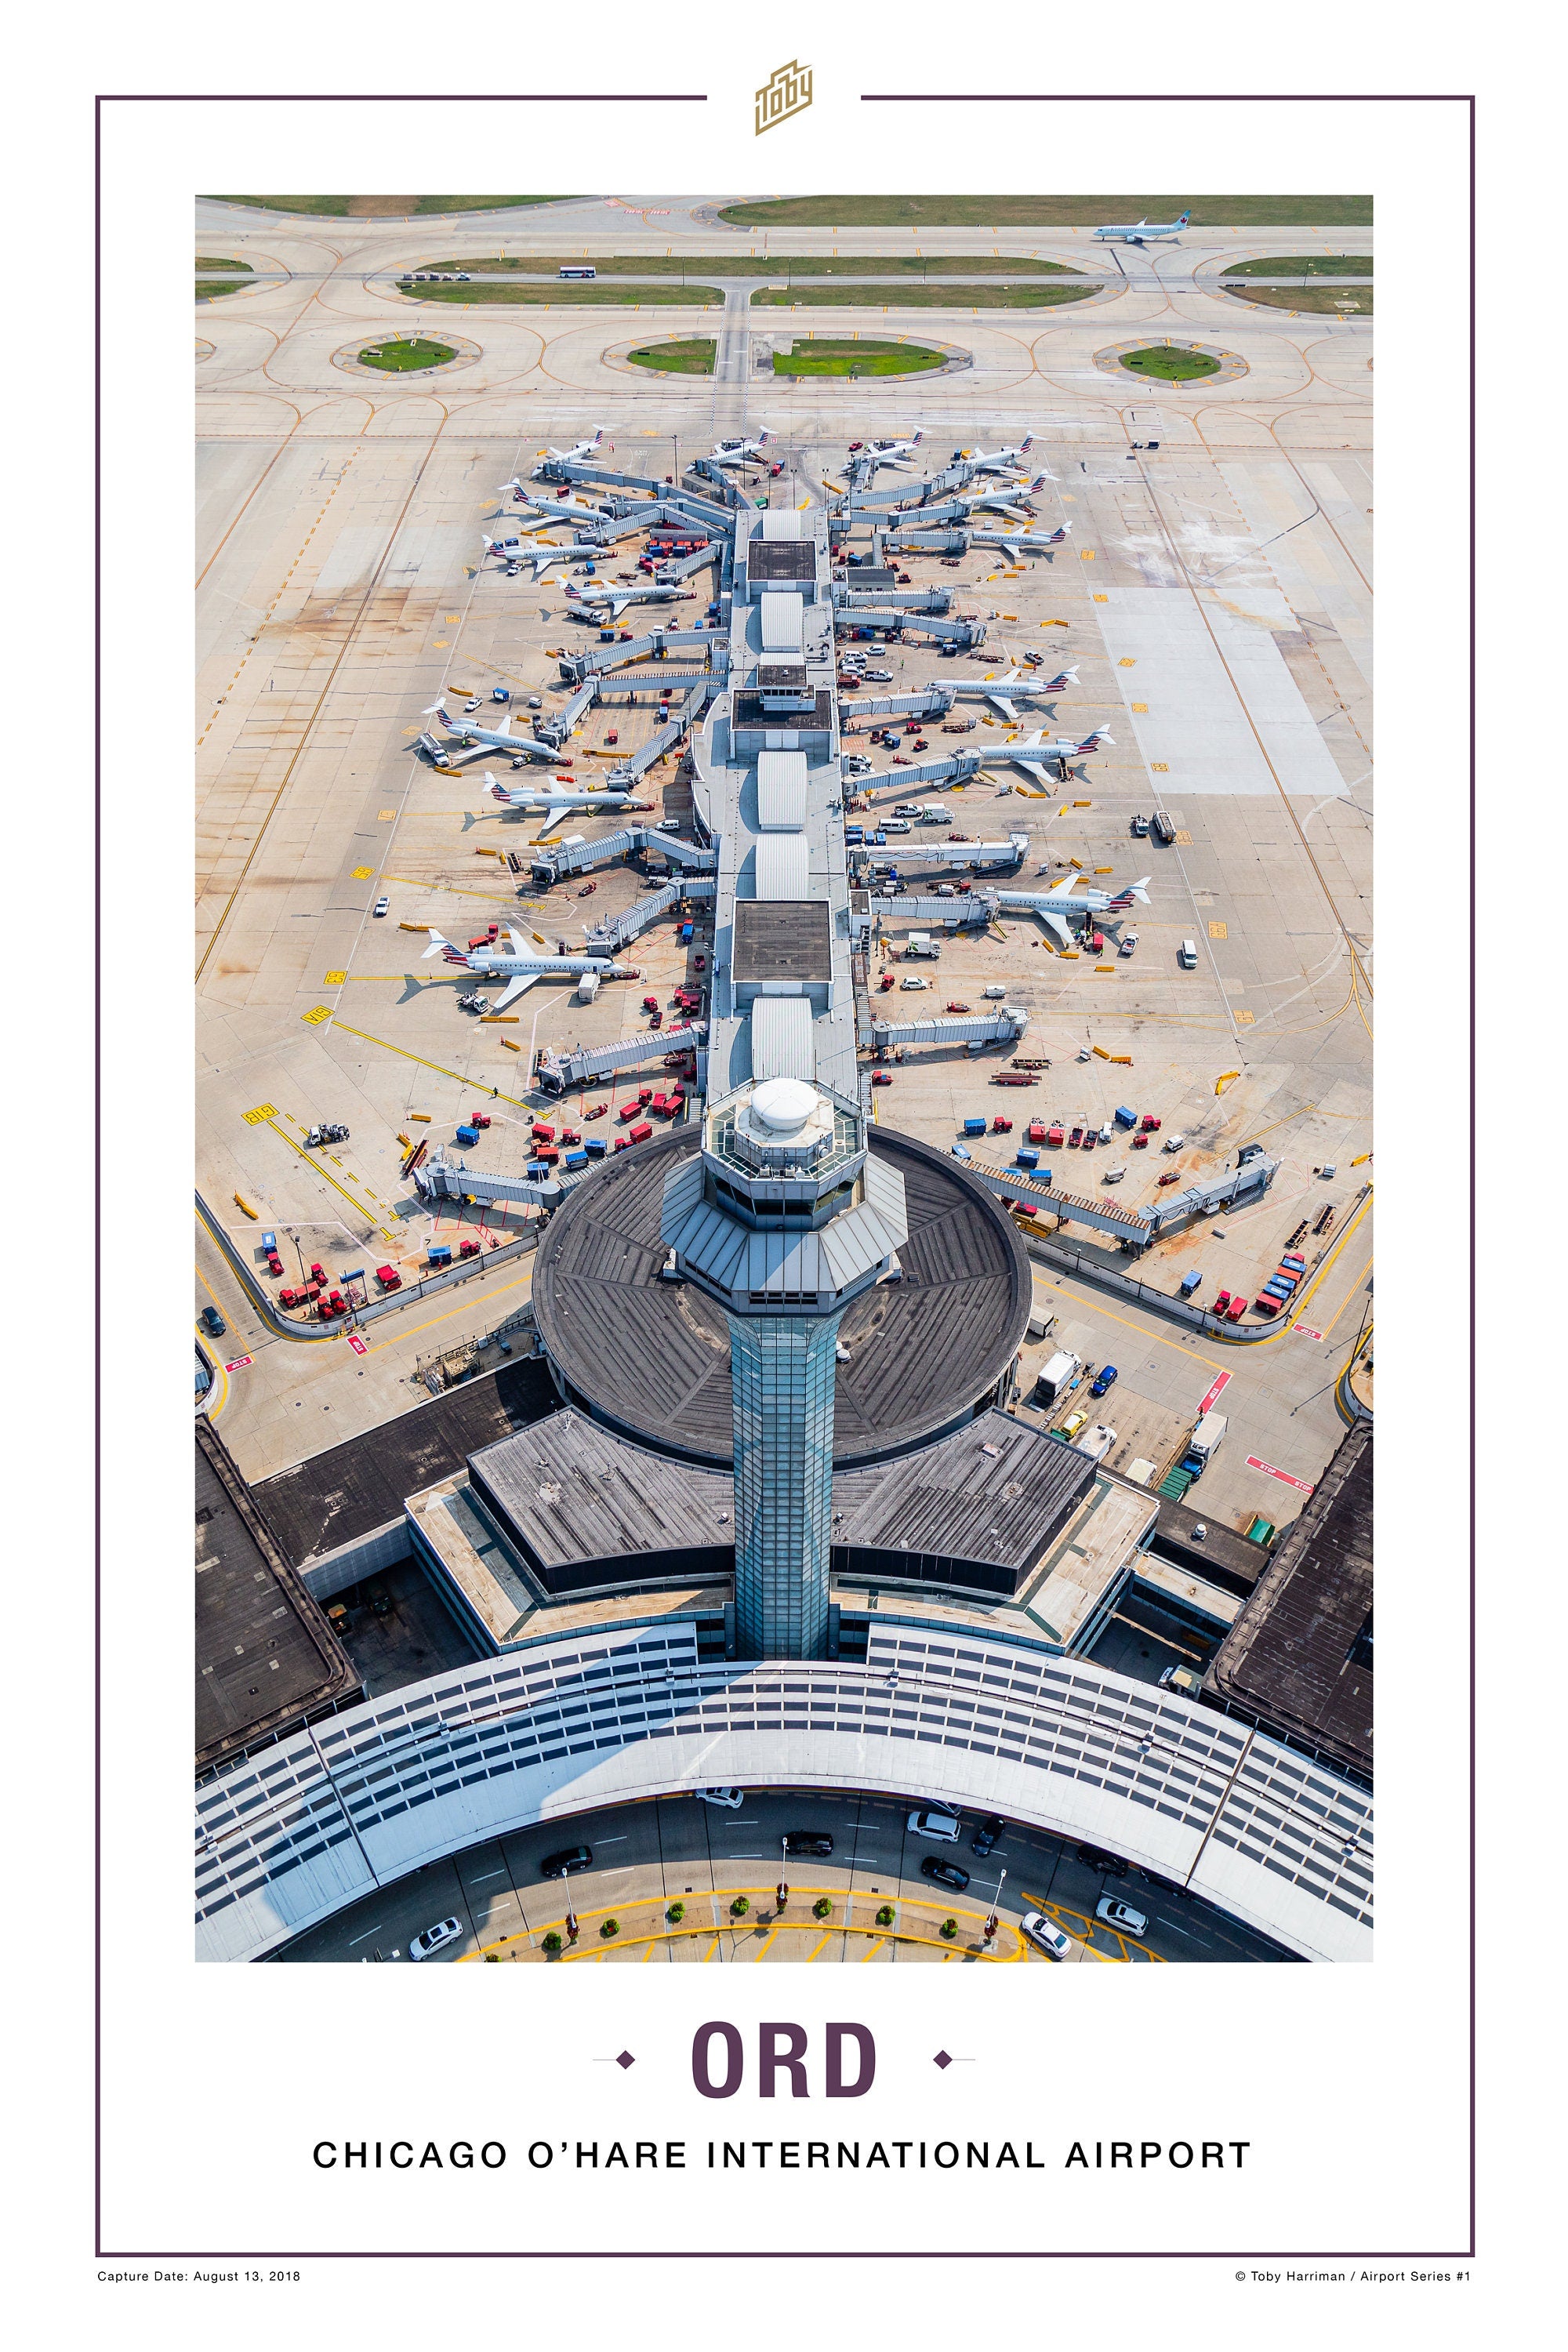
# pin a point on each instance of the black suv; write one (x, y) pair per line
(986, 1835)
(945, 1874)
(213, 1321)
(811, 1842)
(567, 1863)
(1111, 1864)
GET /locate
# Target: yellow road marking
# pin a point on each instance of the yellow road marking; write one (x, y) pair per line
(648, 1954)
(711, 1949)
(762, 1947)
(312, 1161)
(1345, 1301)
(875, 1949)
(412, 1331)
(817, 1948)
(440, 1067)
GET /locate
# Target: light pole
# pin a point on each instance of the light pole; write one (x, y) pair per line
(992, 1925)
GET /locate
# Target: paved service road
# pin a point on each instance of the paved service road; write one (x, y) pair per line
(679, 1850)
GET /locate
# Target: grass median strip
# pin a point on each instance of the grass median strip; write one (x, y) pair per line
(1305, 265)
(826, 355)
(1047, 212)
(570, 295)
(942, 297)
(693, 357)
(385, 207)
(1313, 302)
(773, 264)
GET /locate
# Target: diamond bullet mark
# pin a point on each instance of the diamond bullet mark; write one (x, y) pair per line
(625, 2059)
(942, 2059)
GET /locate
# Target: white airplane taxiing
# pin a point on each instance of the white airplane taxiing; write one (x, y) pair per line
(559, 797)
(1068, 898)
(520, 969)
(999, 461)
(1141, 232)
(739, 453)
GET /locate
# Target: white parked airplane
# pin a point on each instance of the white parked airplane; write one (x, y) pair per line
(999, 461)
(1070, 898)
(1142, 232)
(520, 969)
(739, 453)
(542, 553)
(500, 739)
(561, 796)
(1014, 686)
(613, 601)
(1040, 751)
(1019, 542)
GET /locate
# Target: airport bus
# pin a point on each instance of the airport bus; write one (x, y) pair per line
(582, 269)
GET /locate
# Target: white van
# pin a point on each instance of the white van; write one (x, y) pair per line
(895, 824)
(1187, 955)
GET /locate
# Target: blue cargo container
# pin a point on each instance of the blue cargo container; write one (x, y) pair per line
(466, 1135)
(577, 1159)
(537, 1171)
(974, 1127)
(1028, 1159)
(440, 1256)
(1190, 1282)
(1125, 1118)
(596, 1147)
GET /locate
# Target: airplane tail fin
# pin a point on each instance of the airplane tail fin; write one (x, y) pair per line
(766, 435)
(1139, 890)
(438, 946)
(1101, 735)
(437, 710)
(1184, 219)
(916, 439)
(1026, 444)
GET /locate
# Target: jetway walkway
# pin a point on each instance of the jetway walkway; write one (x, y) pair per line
(935, 702)
(628, 771)
(441, 1179)
(969, 909)
(1004, 1026)
(847, 600)
(928, 542)
(956, 769)
(585, 857)
(597, 661)
(962, 634)
(1235, 1189)
(1011, 851)
(556, 1072)
(618, 931)
(1034, 1189)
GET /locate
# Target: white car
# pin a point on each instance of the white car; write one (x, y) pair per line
(877, 676)
(667, 824)
(381, 907)
(1120, 1914)
(421, 1946)
(914, 983)
(895, 823)
(993, 992)
(730, 1798)
(942, 1826)
(1046, 1934)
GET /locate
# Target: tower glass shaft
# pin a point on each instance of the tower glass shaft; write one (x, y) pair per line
(782, 1371)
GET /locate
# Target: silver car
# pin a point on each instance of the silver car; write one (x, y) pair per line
(1121, 1916)
(730, 1798)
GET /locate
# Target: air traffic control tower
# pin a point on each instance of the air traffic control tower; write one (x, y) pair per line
(784, 1217)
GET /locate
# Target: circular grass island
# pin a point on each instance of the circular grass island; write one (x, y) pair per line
(1170, 363)
(694, 356)
(826, 355)
(406, 355)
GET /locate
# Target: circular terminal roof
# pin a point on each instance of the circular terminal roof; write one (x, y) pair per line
(652, 1357)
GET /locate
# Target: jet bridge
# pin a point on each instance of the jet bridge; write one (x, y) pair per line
(962, 634)
(955, 769)
(629, 771)
(967, 909)
(556, 1072)
(554, 727)
(1011, 851)
(618, 931)
(1033, 1189)
(441, 1179)
(1236, 1190)
(598, 660)
(933, 702)
(904, 600)
(928, 542)
(582, 857)
(1004, 1027)
(681, 567)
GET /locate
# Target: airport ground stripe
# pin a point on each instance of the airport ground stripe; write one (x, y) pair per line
(312, 1159)
(872, 1950)
(712, 1948)
(517, 1101)
(1355, 1286)
(817, 1948)
(761, 1952)
(349, 637)
(414, 1331)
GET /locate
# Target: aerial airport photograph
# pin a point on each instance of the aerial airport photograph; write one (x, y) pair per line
(783, 1319)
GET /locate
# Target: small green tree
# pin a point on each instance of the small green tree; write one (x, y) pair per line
(821, 1908)
(885, 1915)
(553, 1941)
(676, 1914)
(740, 1906)
(608, 1927)
(949, 1930)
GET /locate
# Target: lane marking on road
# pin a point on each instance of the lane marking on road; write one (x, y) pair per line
(367, 1936)
(1221, 1382)
(1269, 1469)
(709, 1952)
(313, 1161)
(342, 1028)
(817, 1948)
(488, 1873)
(239, 1363)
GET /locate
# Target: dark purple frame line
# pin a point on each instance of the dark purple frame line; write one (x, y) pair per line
(1122, 97)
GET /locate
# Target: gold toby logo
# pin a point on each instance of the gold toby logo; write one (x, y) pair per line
(787, 92)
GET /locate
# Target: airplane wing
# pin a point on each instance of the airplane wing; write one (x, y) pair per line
(515, 988)
(1062, 889)
(1005, 710)
(1053, 923)
(519, 944)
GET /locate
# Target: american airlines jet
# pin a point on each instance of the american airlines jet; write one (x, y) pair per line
(1053, 906)
(1040, 751)
(1142, 232)
(499, 739)
(542, 553)
(544, 800)
(1014, 686)
(520, 969)
(739, 453)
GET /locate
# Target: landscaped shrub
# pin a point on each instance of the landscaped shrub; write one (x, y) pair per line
(676, 1914)
(885, 1915)
(740, 1906)
(821, 1908)
(553, 1941)
(948, 1929)
(608, 1927)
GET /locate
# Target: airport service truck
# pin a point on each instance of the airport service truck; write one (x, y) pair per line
(1204, 1445)
(921, 943)
(1054, 1376)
